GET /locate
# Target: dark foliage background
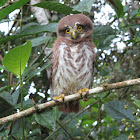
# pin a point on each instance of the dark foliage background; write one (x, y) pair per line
(117, 39)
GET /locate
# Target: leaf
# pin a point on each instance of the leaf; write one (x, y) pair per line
(84, 6)
(16, 127)
(116, 110)
(51, 27)
(6, 105)
(2, 2)
(35, 132)
(15, 96)
(38, 70)
(46, 119)
(7, 96)
(40, 40)
(27, 27)
(16, 59)
(117, 66)
(5, 87)
(4, 12)
(118, 7)
(4, 68)
(26, 104)
(56, 6)
(122, 137)
(105, 71)
(137, 102)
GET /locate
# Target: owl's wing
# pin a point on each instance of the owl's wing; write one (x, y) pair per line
(48, 53)
(93, 59)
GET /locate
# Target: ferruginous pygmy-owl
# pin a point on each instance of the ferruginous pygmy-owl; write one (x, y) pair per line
(73, 59)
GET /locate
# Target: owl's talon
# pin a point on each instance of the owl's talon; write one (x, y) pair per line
(59, 97)
(84, 90)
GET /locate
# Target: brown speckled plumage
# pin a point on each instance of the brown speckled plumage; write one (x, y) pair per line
(73, 60)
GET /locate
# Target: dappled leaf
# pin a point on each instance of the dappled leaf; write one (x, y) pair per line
(17, 127)
(2, 2)
(118, 7)
(137, 102)
(122, 137)
(16, 59)
(116, 109)
(35, 132)
(5, 87)
(6, 104)
(4, 12)
(56, 6)
(103, 36)
(15, 96)
(51, 27)
(38, 70)
(7, 96)
(4, 68)
(84, 6)
(105, 71)
(117, 66)
(40, 40)
(26, 104)
(46, 119)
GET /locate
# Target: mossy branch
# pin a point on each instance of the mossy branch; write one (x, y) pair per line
(76, 96)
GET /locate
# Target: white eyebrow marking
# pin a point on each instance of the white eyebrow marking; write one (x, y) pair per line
(77, 23)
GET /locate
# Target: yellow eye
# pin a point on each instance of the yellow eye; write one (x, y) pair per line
(79, 28)
(67, 31)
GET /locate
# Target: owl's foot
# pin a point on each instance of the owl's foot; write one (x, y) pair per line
(84, 90)
(59, 97)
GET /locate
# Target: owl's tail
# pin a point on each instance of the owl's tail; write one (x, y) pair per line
(73, 106)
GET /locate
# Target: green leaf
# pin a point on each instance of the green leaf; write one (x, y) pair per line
(105, 71)
(84, 6)
(4, 68)
(5, 87)
(118, 7)
(35, 132)
(46, 119)
(7, 96)
(137, 102)
(15, 96)
(16, 59)
(56, 6)
(38, 70)
(2, 2)
(40, 40)
(6, 104)
(51, 27)
(117, 66)
(9, 9)
(116, 109)
(122, 137)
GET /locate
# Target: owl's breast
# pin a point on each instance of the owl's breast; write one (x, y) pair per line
(75, 67)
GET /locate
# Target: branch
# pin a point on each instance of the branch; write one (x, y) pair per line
(6, 5)
(76, 96)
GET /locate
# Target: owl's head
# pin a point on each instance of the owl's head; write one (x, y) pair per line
(75, 27)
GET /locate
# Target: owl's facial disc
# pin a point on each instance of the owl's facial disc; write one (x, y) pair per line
(74, 33)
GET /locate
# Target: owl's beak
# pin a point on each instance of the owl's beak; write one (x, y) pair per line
(74, 34)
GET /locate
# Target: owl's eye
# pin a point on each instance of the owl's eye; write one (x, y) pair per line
(79, 28)
(67, 30)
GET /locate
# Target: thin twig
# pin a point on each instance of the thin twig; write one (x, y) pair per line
(86, 108)
(77, 96)
(9, 3)
(64, 130)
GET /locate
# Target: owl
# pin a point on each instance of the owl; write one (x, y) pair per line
(73, 59)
